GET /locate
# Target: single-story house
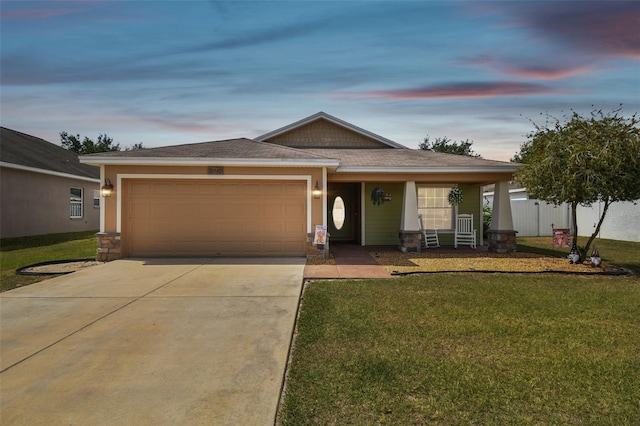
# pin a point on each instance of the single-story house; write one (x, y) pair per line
(44, 189)
(532, 217)
(265, 196)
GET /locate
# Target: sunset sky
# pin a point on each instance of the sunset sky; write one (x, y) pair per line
(165, 72)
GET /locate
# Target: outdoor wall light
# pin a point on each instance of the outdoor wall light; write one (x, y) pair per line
(107, 188)
(317, 192)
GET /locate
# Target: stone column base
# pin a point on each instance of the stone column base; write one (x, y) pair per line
(109, 244)
(410, 241)
(501, 241)
(319, 251)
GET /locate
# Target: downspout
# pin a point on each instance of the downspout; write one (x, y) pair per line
(103, 202)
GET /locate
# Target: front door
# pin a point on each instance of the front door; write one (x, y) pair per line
(343, 203)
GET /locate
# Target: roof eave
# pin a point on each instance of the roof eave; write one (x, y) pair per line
(178, 161)
(48, 172)
(427, 170)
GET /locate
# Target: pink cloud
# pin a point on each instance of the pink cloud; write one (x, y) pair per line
(543, 72)
(460, 90)
(542, 69)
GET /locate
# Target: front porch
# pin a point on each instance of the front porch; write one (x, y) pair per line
(354, 216)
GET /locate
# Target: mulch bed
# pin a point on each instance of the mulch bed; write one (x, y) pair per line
(397, 262)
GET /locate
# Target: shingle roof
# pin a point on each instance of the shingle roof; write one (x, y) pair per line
(226, 149)
(241, 150)
(399, 158)
(26, 150)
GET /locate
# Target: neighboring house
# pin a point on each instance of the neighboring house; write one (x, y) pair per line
(533, 218)
(44, 189)
(265, 196)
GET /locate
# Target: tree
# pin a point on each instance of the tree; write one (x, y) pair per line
(134, 147)
(448, 146)
(88, 146)
(581, 161)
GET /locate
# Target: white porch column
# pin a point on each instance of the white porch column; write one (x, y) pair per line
(409, 230)
(409, 208)
(501, 218)
(501, 235)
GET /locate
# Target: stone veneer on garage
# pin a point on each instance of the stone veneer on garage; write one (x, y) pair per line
(320, 251)
(109, 246)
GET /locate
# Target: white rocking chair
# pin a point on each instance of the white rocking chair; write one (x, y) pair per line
(429, 236)
(465, 234)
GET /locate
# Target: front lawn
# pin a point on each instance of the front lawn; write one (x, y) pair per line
(451, 349)
(18, 252)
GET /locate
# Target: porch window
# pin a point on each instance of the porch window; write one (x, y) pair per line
(434, 207)
(75, 200)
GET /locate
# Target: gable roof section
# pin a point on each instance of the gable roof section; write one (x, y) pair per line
(241, 151)
(336, 133)
(21, 151)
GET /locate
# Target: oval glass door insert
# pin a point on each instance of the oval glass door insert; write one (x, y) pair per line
(338, 213)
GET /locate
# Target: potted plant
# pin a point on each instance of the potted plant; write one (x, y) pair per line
(455, 196)
(377, 196)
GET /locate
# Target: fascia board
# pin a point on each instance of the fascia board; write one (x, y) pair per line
(47, 172)
(111, 161)
(427, 170)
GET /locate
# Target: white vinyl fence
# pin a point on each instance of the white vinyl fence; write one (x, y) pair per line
(621, 223)
(533, 218)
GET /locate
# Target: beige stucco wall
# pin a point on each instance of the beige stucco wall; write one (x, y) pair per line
(36, 204)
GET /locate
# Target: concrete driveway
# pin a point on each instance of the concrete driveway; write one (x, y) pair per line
(162, 341)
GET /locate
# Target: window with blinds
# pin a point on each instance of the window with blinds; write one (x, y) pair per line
(434, 206)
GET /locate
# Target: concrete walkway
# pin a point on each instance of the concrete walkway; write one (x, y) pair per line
(159, 342)
(351, 261)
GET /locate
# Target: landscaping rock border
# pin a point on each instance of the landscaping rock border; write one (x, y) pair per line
(57, 267)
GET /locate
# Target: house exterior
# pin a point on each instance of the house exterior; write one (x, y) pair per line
(265, 196)
(534, 218)
(44, 189)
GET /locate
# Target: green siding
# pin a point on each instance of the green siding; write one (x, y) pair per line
(471, 203)
(382, 223)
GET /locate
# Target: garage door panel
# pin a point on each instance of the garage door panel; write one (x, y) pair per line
(213, 218)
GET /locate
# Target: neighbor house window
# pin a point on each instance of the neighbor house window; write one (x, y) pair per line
(75, 205)
(434, 206)
(96, 198)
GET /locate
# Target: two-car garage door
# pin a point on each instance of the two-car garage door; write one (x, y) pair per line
(214, 218)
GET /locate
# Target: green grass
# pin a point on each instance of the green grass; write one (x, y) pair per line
(455, 349)
(18, 252)
(620, 253)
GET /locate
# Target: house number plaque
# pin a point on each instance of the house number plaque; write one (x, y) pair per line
(215, 170)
